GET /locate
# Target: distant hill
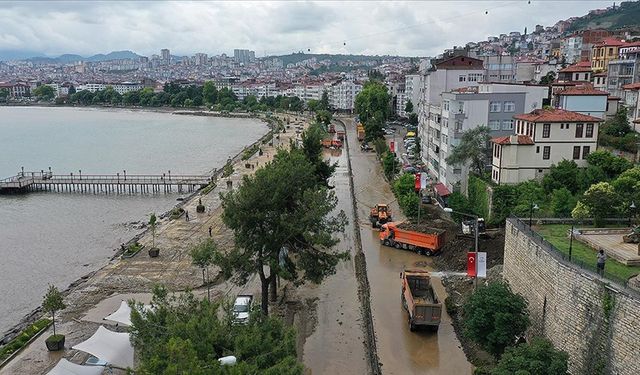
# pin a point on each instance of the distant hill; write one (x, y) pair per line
(6, 55)
(69, 58)
(627, 14)
(297, 57)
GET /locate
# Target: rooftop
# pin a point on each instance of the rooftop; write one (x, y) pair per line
(582, 90)
(555, 115)
(513, 140)
(582, 66)
(632, 86)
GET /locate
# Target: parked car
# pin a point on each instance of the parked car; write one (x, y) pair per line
(241, 308)
(409, 170)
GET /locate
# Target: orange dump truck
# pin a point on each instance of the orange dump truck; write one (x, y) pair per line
(360, 132)
(340, 134)
(423, 243)
(420, 300)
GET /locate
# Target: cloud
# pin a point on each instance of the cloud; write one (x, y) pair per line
(412, 28)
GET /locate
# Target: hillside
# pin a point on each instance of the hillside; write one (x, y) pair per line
(297, 57)
(627, 14)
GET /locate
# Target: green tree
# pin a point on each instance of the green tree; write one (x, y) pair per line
(182, 334)
(152, 224)
(209, 93)
(493, 316)
(390, 164)
(409, 204)
(4, 94)
(548, 79)
(324, 117)
(589, 176)
(459, 203)
(408, 108)
(562, 175)
(313, 105)
(380, 146)
(324, 101)
(611, 165)
(601, 201)
(373, 102)
(44, 92)
(618, 126)
(562, 202)
(474, 148)
(537, 358)
(53, 302)
(290, 230)
(413, 119)
(202, 256)
(312, 148)
(404, 185)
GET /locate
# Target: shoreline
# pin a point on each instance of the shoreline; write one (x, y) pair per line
(215, 173)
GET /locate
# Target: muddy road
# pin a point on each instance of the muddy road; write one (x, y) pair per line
(400, 351)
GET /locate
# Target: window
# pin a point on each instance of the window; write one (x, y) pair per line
(585, 151)
(546, 130)
(495, 107)
(579, 128)
(546, 152)
(537, 149)
(445, 105)
(507, 124)
(445, 122)
(561, 126)
(509, 106)
(475, 77)
(494, 124)
(458, 126)
(589, 132)
(576, 152)
(462, 78)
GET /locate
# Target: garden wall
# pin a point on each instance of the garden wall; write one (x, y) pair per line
(593, 320)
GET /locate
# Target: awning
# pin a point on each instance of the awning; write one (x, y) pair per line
(441, 189)
(122, 315)
(65, 367)
(113, 347)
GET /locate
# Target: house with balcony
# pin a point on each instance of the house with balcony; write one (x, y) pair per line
(603, 52)
(542, 138)
(625, 69)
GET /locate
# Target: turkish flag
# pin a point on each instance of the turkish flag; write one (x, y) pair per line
(417, 181)
(392, 146)
(471, 264)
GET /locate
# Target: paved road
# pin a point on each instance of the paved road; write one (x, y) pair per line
(400, 351)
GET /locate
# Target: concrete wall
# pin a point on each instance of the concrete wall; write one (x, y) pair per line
(568, 306)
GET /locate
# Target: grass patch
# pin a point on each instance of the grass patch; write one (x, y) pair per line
(557, 235)
(132, 249)
(24, 336)
(206, 190)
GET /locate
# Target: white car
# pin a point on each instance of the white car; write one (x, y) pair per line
(241, 308)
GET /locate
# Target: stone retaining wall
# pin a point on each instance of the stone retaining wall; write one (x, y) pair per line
(595, 321)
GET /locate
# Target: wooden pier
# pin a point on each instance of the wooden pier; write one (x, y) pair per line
(109, 184)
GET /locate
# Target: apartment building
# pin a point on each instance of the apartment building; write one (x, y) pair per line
(500, 68)
(584, 99)
(631, 99)
(543, 137)
(579, 72)
(625, 69)
(489, 104)
(603, 52)
(342, 95)
(120, 88)
(571, 48)
(16, 89)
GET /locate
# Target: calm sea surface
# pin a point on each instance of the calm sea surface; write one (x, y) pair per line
(58, 237)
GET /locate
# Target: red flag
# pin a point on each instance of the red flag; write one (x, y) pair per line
(471, 264)
(417, 181)
(392, 146)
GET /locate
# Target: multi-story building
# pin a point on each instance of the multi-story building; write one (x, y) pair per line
(543, 137)
(589, 38)
(625, 69)
(412, 85)
(165, 54)
(500, 68)
(603, 52)
(243, 56)
(121, 88)
(444, 76)
(571, 48)
(579, 72)
(342, 95)
(631, 99)
(17, 89)
(489, 104)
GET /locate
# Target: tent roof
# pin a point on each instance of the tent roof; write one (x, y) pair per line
(113, 347)
(65, 367)
(122, 315)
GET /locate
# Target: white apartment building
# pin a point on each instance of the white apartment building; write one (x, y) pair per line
(543, 137)
(342, 95)
(120, 88)
(571, 48)
(411, 92)
(308, 92)
(488, 104)
(444, 76)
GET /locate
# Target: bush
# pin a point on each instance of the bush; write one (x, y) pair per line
(493, 316)
(478, 197)
(409, 204)
(390, 165)
(133, 248)
(250, 151)
(176, 212)
(19, 341)
(207, 189)
(227, 170)
(539, 358)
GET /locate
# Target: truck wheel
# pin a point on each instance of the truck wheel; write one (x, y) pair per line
(429, 253)
(412, 327)
(386, 243)
(397, 245)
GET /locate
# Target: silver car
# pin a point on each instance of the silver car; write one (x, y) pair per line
(242, 308)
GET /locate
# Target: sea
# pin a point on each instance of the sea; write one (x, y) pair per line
(56, 238)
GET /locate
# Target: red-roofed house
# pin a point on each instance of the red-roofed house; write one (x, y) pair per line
(543, 137)
(579, 72)
(584, 99)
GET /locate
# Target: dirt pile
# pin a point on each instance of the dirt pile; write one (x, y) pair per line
(453, 255)
(421, 227)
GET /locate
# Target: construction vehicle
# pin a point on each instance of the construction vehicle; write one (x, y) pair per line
(360, 130)
(633, 236)
(379, 215)
(469, 225)
(392, 234)
(420, 300)
(341, 135)
(332, 128)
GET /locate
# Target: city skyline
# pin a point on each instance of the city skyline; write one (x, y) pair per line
(269, 28)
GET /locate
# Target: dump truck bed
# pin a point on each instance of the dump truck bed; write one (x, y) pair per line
(420, 299)
(434, 240)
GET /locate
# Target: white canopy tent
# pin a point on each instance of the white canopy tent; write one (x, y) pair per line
(122, 315)
(65, 367)
(112, 347)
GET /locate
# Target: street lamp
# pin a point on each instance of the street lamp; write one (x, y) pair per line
(632, 208)
(533, 206)
(475, 235)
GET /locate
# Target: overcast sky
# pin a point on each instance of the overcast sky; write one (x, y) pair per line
(412, 28)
